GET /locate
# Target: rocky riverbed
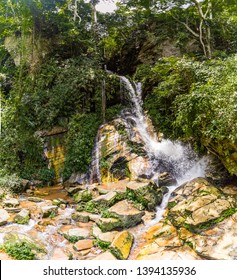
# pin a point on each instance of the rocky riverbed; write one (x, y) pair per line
(117, 221)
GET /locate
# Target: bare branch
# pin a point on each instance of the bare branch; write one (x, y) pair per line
(187, 27)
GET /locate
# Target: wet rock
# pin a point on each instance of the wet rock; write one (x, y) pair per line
(122, 245)
(218, 242)
(4, 216)
(63, 206)
(50, 210)
(59, 201)
(83, 217)
(11, 202)
(106, 200)
(145, 193)
(30, 192)
(199, 205)
(76, 234)
(25, 183)
(103, 236)
(74, 190)
(59, 254)
(200, 223)
(85, 195)
(108, 224)
(126, 213)
(154, 252)
(83, 245)
(35, 199)
(76, 179)
(13, 209)
(94, 217)
(37, 249)
(105, 256)
(23, 217)
(165, 180)
(46, 222)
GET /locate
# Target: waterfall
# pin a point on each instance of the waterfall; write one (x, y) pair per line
(165, 155)
(162, 155)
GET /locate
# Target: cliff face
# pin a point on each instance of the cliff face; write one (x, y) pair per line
(28, 49)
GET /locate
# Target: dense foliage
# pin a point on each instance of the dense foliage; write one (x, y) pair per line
(52, 74)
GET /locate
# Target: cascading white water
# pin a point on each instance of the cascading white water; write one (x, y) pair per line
(174, 157)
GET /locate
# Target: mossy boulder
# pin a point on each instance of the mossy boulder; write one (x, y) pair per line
(101, 202)
(145, 193)
(22, 247)
(59, 201)
(23, 217)
(165, 180)
(108, 224)
(126, 213)
(35, 199)
(75, 234)
(198, 205)
(122, 245)
(106, 237)
(106, 200)
(11, 202)
(49, 211)
(82, 217)
(85, 195)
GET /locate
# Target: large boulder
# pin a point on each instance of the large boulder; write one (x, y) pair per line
(49, 211)
(200, 223)
(199, 205)
(122, 245)
(74, 234)
(145, 193)
(23, 247)
(11, 202)
(126, 213)
(23, 217)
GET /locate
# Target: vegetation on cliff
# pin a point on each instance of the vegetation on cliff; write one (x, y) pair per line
(53, 56)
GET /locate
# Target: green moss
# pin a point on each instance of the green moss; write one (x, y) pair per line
(22, 221)
(72, 239)
(201, 226)
(104, 245)
(81, 206)
(91, 207)
(52, 214)
(136, 148)
(117, 253)
(171, 204)
(22, 250)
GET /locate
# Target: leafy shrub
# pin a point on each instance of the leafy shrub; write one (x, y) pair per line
(19, 250)
(10, 183)
(80, 141)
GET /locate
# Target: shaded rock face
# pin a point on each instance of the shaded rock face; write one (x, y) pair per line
(119, 153)
(200, 222)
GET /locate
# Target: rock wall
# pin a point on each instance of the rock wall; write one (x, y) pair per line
(120, 152)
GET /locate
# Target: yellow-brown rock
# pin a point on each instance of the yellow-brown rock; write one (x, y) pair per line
(122, 245)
